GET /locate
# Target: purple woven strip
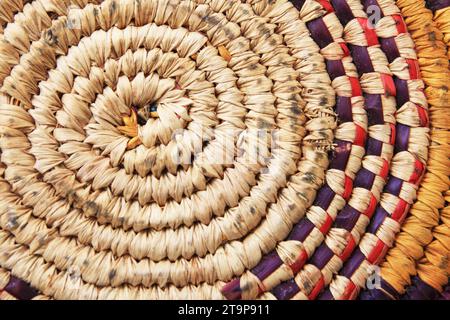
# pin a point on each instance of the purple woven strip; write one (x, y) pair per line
(353, 263)
(298, 3)
(377, 220)
(374, 147)
(343, 11)
(301, 230)
(402, 137)
(347, 218)
(341, 154)
(324, 197)
(361, 59)
(402, 91)
(394, 186)
(232, 290)
(438, 4)
(322, 256)
(389, 46)
(267, 266)
(374, 109)
(20, 289)
(286, 290)
(319, 32)
(364, 179)
(420, 290)
(335, 68)
(344, 109)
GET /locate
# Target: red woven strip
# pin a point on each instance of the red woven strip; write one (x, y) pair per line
(419, 169)
(423, 116)
(350, 291)
(361, 136)
(327, 224)
(371, 35)
(388, 84)
(393, 134)
(348, 188)
(385, 170)
(317, 289)
(400, 210)
(377, 252)
(372, 206)
(326, 5)
(300, 262)
(400, 23)
(348, 249)
(414, 69)
(345, 49)
(356, 87)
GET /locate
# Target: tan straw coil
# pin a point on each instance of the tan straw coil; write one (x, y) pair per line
(211, 149)
(154, 149)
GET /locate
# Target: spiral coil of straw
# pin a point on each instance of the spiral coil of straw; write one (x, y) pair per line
(211, 149)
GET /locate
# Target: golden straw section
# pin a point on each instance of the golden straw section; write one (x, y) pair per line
(442, 19)
(414, 243)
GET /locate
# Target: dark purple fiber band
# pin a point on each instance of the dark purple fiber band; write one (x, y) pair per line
(319, 32)
(361, 59)
(435, 5)
(20, 289)
(353, 263)
(364, 179)
(374, 109)
(374, 147)
(394, 186)
(389, 47)
(402, 138)
(343, 11)
(347, 218)
(324, 197)
(267, 266)
(335, 69)
(402, 91)
(377, 220)
(344, 109)
(322, 256)
(286, 290)
(341, 155)
(301, 230)
(420, 290)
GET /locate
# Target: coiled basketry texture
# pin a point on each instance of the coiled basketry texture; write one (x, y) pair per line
(224, 149)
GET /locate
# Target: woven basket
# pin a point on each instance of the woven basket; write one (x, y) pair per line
(224, 149)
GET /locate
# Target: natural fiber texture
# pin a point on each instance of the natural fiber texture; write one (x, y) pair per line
(105, 191)
(441, 9)
(410, 255)
(211, 149)
(397, 197)
(351, 223)
(351, 134)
